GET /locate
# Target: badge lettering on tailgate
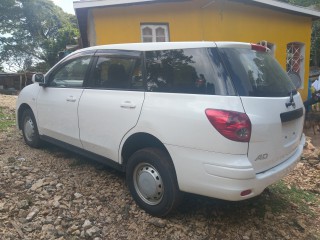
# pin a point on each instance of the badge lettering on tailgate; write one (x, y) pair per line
(262, 157)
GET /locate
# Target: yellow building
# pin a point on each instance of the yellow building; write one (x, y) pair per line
(284, 28)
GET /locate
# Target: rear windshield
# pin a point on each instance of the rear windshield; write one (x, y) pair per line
(256, 73)
(191, 71)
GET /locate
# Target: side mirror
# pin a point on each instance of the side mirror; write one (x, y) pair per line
(39, 78)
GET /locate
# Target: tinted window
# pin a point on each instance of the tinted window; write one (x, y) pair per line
(256, 73)
(194, 71)
(117, 73)
(72, 74)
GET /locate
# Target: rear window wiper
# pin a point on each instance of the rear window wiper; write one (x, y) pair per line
(293, 92)
(291, 100)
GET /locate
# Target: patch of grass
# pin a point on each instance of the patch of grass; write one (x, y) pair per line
(276, 199)
(284, 197)
(7, 119)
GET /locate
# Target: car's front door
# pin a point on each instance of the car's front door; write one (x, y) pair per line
(58, 101)
(110, 106)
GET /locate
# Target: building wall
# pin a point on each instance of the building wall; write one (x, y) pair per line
(196, 21)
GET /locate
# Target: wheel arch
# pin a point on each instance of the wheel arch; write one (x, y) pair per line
(139, 141)
(20, 111)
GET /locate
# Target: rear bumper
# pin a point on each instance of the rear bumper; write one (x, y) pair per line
(225, 176)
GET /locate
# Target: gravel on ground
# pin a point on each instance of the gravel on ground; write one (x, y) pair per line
(50, 193)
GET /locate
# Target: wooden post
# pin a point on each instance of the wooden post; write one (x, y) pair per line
(20, 82)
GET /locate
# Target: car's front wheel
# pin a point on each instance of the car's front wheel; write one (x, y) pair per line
(30, 129)
(152, 181)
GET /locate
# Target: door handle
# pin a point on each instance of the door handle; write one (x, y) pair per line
(128, 105)
(71, 99)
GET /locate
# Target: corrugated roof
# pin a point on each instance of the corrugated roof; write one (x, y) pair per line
(276, 5)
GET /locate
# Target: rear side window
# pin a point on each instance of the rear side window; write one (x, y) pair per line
(256, 73)
(193, 71)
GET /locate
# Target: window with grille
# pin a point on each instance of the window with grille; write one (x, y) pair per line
(295, 63)
(154, 33)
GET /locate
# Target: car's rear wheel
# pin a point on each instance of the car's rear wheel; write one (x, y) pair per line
(152, 181)
(30, 129)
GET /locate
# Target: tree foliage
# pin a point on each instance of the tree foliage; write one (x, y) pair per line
(32, 32)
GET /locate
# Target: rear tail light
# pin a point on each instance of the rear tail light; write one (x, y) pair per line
(235, 126)
(259, 48)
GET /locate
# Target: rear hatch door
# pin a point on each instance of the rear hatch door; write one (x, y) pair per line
(276, 130)
(269, 99)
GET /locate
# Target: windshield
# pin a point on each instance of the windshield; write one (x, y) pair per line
(256, 73)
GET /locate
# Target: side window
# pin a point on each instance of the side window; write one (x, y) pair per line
(193, 71)
(72, 74)
(117, 73)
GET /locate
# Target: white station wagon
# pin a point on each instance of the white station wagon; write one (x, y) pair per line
(219, 119)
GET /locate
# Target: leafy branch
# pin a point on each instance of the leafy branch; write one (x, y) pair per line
(34, 31)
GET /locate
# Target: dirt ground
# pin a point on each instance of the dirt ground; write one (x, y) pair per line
(50, 193)
(8, 101)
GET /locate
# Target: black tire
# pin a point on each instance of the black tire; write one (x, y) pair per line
(152, 181)
(30, 129)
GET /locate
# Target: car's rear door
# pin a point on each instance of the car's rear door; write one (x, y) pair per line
(269, 99)
(57, 102)
(276, 130)
(110, 105)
